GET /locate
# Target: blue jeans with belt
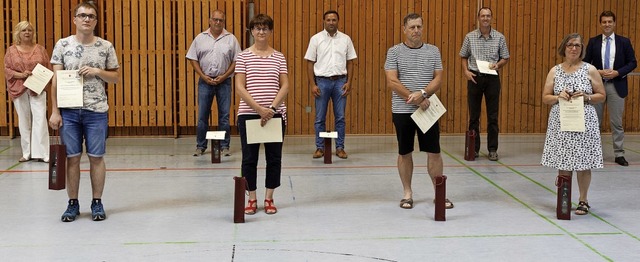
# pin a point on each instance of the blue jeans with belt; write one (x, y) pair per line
(330, 89)
(206, 92)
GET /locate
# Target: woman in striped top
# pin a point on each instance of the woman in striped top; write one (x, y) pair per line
(262, 83)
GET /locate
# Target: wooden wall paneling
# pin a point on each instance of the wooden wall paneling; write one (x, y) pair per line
(296, 69)
(149, 105)
(5, 40)
(124, 118)
(133, 93)
(191, 87)
(111, 35)
(540, 68)
(529, 79)
(140, 110)
(369, 87)
(284, 44)
(162, 67)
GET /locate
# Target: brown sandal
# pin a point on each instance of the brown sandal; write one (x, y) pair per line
(406, 203)
(583, 208)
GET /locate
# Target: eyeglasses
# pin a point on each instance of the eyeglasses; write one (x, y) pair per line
(217, 20)
(262, 29)
(570, 46)
(83, 16)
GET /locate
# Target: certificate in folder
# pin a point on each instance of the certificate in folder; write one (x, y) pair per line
(426, 118)
(69, 87)
(271, 132)
(39, 78)
(572, 114)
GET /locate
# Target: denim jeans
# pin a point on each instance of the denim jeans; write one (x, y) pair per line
(330, 89)
(82, 124)
(206, 92)
(251, 153)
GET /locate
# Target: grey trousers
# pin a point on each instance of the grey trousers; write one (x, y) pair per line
(615, 107)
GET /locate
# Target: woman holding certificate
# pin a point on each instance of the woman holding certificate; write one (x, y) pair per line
(19, 62)
(262, 83)
(566, 149)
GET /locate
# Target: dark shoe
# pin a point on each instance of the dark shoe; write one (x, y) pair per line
(583, 208)
(406, 203)
(319, 153)
(477, 154)
(621, 161)
(73, 210)
(341, 154)
(199, 152)
(493, 156)
(97, 210)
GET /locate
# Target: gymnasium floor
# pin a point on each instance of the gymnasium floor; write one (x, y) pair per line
(163, 204)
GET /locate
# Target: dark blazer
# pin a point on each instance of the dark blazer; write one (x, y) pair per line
(624, 63)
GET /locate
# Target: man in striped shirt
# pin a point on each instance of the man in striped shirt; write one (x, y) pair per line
(488, 45)
(414, 72)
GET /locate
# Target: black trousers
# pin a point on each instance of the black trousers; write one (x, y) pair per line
(251, 153)
(489, 87)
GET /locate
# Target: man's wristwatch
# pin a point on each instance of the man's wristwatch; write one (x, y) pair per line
(424, 94)
(274, 109)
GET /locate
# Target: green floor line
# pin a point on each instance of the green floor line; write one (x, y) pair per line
(574, 204)
(525, 204)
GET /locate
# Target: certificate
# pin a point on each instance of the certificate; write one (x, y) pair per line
(483, 66)
(38, 79)
(572, 114)
(69, 88)
(271, 132)
(426, 118)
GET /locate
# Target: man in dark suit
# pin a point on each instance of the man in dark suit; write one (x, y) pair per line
(614, 58)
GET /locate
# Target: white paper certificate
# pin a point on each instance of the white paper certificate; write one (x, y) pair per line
(38, 79)
(269, 133)
(426, 118)
(483, 66)
(572, 114)
(69, 88)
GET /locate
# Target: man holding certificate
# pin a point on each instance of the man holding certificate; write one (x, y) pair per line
(83, 63)
(414, 72)
(573, 81)
(483, 52)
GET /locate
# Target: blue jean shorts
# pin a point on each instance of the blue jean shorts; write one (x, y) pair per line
(80, 125)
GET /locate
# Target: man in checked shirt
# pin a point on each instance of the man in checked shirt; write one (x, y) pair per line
(488, 45)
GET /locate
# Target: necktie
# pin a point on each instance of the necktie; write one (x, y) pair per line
(607, 50)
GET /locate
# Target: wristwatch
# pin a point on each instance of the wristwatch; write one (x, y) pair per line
(273, 108)
(424, 94)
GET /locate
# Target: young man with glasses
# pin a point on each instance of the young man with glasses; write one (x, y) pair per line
(330, 58)
(614, 58)
(95, 60)
(212, 55)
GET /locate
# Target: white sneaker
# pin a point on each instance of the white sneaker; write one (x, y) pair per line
(226, 152)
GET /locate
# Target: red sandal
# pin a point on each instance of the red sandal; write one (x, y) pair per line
(269, 207)
(252, 207)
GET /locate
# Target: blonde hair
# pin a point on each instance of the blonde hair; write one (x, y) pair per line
(18, 28)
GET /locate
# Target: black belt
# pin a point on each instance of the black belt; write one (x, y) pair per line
(336, 77)
(482, 74)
